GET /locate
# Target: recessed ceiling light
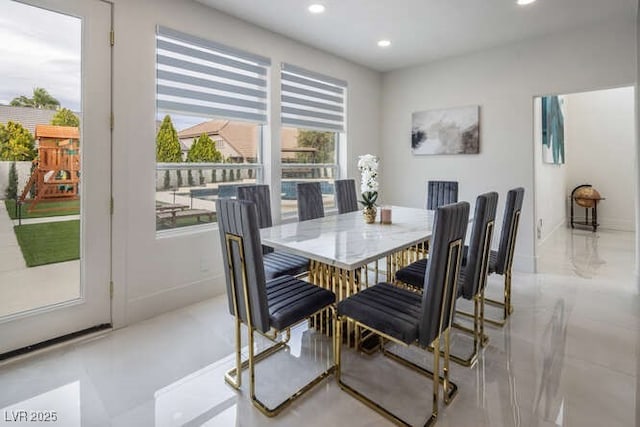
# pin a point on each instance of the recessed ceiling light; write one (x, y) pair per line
(384, 43)
(524, 2)
(316, 8)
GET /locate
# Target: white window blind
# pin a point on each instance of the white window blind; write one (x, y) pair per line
(311, 100)
(203, 78)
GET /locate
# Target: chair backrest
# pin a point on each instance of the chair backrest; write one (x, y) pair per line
(346, 196)
(261, 196)
(310, 204)
(443, 268)
(440, 193)
(510, 222)
(242, 257)
(477, 267)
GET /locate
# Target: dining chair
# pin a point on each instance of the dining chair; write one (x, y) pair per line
(261, 305)
(310, 205)
(405, 317)
(441, 193)
(473, 276)
(501, 261)
(346, 195)
(276, 263)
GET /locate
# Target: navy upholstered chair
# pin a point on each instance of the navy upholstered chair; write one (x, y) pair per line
(276, 263)
(346, 196)
(310, 204)
(262, 305)
(261, 196)
(501, 260)
(407, 317)
(473, 276)
(441, 193)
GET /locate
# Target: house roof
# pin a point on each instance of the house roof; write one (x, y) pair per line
(57, 132)
(240, 136)
(27, 117)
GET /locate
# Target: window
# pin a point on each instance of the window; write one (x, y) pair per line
(211, 110)
(313, 124)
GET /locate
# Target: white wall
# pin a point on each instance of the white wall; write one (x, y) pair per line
(153, 275)
(503, 81)
(600, 128)
(636, 181)
(550, 181)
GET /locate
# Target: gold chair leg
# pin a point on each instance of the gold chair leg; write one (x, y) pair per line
(507, 307)
(450, 388)
(234, 376)
(484, 340)
(436, 386)
(479, 337)
(353, 392)
(231, 376)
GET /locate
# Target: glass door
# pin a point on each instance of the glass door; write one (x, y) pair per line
(55, 169)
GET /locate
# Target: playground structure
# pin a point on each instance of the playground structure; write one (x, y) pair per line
(56, 171)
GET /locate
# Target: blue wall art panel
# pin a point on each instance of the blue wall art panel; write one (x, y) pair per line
(552, 130)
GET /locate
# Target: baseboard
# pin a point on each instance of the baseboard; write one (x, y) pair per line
(555, 228)
(161, 302)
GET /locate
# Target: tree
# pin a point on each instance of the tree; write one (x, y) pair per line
(65, 117)
(203, 150)
(41, 99)
(168, 147)
(11, 192)
(323, 142)
(16, 142)
(167, 143)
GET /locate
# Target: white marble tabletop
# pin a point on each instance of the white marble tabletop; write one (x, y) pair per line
(346, 241)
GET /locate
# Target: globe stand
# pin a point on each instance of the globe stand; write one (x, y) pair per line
(587, 197)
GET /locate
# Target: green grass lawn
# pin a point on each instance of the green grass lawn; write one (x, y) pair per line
(44, 209)
(49, 242)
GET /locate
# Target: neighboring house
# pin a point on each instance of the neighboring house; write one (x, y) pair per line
(237, 141)
(27, 117)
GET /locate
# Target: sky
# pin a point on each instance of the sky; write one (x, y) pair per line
(39, 48)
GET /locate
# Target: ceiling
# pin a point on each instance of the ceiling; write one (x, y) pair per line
(420, 30)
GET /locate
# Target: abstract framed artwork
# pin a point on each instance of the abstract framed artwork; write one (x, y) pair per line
(446, 131)
(552, 130)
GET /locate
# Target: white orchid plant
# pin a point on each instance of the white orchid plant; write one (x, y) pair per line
(368, 165)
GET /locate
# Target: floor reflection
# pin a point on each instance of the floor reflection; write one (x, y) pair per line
(554, 344)
(197, 399)
(585, 255)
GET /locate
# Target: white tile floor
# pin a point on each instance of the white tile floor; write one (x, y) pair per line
(568, 357)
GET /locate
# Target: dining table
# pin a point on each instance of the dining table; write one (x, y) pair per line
(341, 247)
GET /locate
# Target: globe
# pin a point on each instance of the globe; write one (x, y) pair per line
(586, 197)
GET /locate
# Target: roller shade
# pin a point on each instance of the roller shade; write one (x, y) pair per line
(311, 100)
(203, 78)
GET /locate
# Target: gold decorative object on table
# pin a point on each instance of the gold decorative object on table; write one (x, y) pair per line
(368, 165)
(369, 214)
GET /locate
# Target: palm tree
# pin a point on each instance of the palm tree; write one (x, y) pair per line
(41, 99)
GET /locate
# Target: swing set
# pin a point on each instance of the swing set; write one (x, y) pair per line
(56, 171)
